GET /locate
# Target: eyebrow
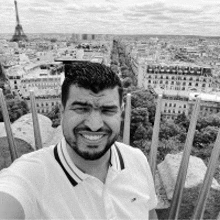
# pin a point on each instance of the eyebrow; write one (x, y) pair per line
(86, 104)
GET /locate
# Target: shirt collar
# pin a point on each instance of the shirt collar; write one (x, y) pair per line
(74, 174)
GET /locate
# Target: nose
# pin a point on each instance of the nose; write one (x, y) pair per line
(94, 121)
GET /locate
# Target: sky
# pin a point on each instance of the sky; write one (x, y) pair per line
(171, 17)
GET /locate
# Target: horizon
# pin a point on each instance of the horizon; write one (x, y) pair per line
(163, 17)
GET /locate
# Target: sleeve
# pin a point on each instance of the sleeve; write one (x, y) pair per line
(20, 182)
(150, 180)
(18, 188)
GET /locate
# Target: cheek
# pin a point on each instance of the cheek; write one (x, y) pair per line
(70, 121)
(115, 124)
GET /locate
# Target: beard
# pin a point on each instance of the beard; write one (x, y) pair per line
(86, 155)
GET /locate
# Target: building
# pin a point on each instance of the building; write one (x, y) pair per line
(42, 85)
(45, 104)
(209, 104)
(178, 102)
(174, 103)
(175, 77)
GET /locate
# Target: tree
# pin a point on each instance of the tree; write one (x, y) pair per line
(54, 116)
(169, 129)
(143, 110)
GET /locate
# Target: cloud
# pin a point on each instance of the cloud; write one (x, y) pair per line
(91, 9)
(184, 10)
(158, 7)
(134, 15)
(41, 10)
(111, 1)
(55, 1)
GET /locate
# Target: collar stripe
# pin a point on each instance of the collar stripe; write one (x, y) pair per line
(72, 181)
(120, 158)
(66, 162)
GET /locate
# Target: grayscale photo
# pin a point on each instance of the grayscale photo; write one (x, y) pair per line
(109, 110)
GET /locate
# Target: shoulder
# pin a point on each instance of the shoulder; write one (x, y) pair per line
(129, 151)
(28, 167)
(132, 155)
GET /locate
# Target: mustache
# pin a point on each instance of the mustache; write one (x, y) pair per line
(89, 130)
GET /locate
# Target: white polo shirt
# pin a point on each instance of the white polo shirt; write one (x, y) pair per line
(49, 186)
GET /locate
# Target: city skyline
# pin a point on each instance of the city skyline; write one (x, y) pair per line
(165, 17)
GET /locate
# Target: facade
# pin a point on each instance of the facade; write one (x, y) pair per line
(175, 77)
(174, 103)
(45, 104)
(178, 102)
(41, 85)
(209, 104)
(15, 74)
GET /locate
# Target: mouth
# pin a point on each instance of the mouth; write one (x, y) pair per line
(92, 137)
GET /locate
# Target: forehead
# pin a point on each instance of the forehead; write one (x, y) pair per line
(106, 97)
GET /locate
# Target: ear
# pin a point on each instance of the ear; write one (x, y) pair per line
(62, 108)
(122, 106)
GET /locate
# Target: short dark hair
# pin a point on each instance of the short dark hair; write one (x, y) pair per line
(92, 76)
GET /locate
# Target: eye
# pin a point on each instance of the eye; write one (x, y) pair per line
(81, 110)
(109, 111)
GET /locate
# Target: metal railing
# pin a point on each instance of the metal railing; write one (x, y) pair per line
(178, 191)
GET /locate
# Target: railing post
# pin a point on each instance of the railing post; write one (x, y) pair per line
(177, 195)
(11, 141)
(37, 134)
(127, 121)
(155, 136)
(204, 191)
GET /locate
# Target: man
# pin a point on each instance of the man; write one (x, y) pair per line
(88, 175)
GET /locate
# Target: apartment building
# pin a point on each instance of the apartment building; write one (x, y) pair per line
(45, 104)
(178, 102)
(175, 77)
(174, 103)
(209, 104)
(45, 85)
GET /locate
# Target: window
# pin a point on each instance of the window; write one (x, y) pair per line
(170, 104)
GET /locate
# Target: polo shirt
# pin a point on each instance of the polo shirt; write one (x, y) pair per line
(49, 185)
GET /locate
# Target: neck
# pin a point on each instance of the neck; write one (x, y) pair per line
(97, 168)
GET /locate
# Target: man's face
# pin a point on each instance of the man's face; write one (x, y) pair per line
(90, 121)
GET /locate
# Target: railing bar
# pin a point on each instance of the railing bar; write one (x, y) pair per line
(10, 137)
(127, 121)
(178, 191)
(204, 191)
(155, 136)
(37, 134)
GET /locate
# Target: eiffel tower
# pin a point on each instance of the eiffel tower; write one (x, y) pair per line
(19, 34)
